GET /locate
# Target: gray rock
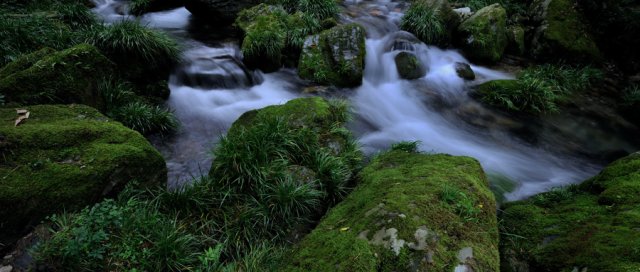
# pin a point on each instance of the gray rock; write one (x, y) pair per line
(409, 66)
(7, 268)
(464, 71)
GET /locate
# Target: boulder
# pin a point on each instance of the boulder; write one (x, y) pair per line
(561, 32)
(218, 11)
(334, 57)
(464, 71)
(515, 35)
(265, 29)
(64, 157)
(409, 66)
(593, 226)
(410, 212)
(483, 36)
(67, 76)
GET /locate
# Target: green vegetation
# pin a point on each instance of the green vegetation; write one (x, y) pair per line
(425, 20)
(407, 206)
(277, 170)
(631, 95)
(65, 157)
(146, 118)
(539, 89)
(592, 225)
(410, 147)
(318, 9)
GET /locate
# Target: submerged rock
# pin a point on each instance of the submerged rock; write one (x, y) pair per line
(562, 32)
(410, 212)
(63, 158)
(334, 57)
(464, 71)
(47, 76)
(218, 11)
(483, 36)
(594, 226)
(409, 66)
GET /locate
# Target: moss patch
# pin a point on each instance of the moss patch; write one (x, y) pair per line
(484, 35)
(67, 76)
(65, 157)
(408, 213)
(594, 226)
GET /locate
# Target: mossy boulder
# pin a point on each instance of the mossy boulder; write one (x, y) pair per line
(594, 226)
(265, 29)
(410, 212)
(409, 66)
(67, 76)
(464, 71)
(334, 57)
(562, 32)
(64, 157)
(516, 40)
(483, 36)
(222, 12)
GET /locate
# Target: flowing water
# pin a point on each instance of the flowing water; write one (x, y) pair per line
(212, 88)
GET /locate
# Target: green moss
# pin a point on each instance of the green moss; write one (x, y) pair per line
(409, 66)
(564, 33)
(484, 35)
(400, 198)
(592, 226)
(516, 40)
(65, 157)
(67, 76)
(335, 56)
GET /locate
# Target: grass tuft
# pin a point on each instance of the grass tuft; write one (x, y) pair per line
(424, 21)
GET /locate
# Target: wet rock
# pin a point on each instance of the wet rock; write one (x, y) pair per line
(401, 41)
(562, 32)
(483, 36)
(220, 72)
(409, 66)
(464, 71)
(218, 11)
(432, 236)
(48, 76)
(64, 158)
(589, 225)
(334, 57)
(7, 268)
(516, 40)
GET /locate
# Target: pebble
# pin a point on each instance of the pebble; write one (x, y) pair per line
(7, 268)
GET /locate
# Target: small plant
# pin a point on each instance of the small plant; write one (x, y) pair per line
(631, 95)
(410, 147)
(319, 9)
(424, 20)
(146, 118)
(138, 7)
(463, 205)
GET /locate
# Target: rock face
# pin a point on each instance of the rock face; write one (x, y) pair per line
(409, 66)
(516, 40)
(464, 71)
(561, 32)
(218, 11)
(483, 36)
(411, 212)
(66, 157)
(334, 57)
(593, 226)
(67, 76)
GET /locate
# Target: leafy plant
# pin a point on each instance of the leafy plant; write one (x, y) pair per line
(424, 20)
(464, 205)
(410, 147)
(631, 95)
(145, 118)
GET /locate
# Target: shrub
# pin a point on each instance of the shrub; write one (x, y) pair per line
(145, 118)
(631, 95)
(410, 147)
(319, 9)
(425, 21)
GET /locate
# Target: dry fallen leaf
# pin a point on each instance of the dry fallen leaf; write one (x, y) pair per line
(23, 114)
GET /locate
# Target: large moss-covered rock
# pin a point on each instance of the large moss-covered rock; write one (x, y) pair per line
(63, 158)
(483, 36)
(67, 76)
(594, 226)
(562, 32)
(265, 29)
(218, 11)
(410, 212)
(335, 56)
(409, 66)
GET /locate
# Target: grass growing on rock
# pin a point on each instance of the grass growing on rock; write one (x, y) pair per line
(539, 89)
(274, 173)
(426, 22)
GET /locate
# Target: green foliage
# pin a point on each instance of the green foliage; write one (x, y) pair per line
(410, 147)
(463, 205)
(631, 95)
(318, 9)
(425, 21)
(129, 43)
(144, 118)
(138, 7)
(539, 89)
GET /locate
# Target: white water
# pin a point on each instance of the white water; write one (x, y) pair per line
(387, 108)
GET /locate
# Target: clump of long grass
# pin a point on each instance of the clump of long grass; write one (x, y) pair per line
(631, 95)
(146, 118)
(425, 21)
(129, 41)
(319, 9)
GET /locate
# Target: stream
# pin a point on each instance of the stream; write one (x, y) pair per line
(211, 88)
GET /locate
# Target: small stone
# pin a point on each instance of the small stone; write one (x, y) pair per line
(464, 71)
(7, 268)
